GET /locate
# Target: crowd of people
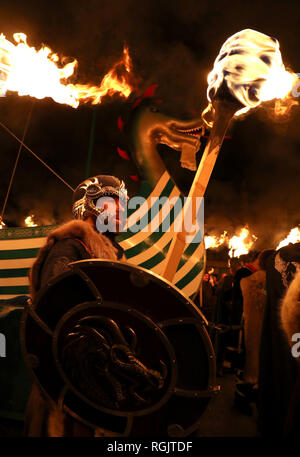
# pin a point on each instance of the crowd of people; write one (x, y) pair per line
(253, 313)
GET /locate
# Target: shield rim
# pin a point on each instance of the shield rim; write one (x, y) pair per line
(202, 324)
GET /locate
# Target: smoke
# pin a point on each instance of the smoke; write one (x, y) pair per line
(172, 44)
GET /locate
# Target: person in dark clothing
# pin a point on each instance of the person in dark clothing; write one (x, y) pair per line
(249, 264)
(208, 298)
(223, 317)
(278, 369)
(254, 304)
(233, 339)
(76, 240)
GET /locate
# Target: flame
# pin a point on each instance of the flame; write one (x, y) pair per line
(30, 222)
(237, 244)
(250, 63)
(242, 243)
(40, 74)
(2, 224)
(213, 241)
(293, 237)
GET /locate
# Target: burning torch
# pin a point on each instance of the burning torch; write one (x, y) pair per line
(247, 71)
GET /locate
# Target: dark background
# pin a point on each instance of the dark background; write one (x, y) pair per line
(172, 44)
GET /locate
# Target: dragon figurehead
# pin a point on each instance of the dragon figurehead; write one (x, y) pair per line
(163, 177)
(149, 127)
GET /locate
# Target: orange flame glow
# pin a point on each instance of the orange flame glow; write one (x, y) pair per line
(30, 222)
(238, 244)
(213, 241)
(250, 64)
(242, 243)
(293, 237)
(2, 224)
(40, 74)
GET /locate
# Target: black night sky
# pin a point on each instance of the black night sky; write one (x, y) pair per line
(173, 44)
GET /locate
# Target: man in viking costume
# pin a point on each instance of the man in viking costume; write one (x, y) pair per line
(96, 207)
(108, 343)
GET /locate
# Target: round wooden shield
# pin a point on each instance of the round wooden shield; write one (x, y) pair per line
(121, 350)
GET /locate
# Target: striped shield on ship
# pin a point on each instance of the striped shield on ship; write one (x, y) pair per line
(156, 220)
(18, 250)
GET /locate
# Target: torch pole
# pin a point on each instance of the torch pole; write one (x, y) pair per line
(224, 111)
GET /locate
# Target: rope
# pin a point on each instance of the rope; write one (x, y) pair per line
(36, 156)
(17, 160)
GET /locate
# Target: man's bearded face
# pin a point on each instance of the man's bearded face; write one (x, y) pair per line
(112, 218)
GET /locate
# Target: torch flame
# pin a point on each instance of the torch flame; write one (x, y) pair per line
(293, 237)
(237, 244)
(250, 63)
(39, 74)
(2, 224)
(242, 243)
(213, 241)
(30, 222)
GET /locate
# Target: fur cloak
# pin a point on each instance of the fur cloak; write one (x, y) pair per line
(75, 240)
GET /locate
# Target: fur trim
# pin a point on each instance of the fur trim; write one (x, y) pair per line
(99, 245)
(290, 309)
(39, 412)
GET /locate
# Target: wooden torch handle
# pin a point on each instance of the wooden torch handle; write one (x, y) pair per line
(223, 115)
